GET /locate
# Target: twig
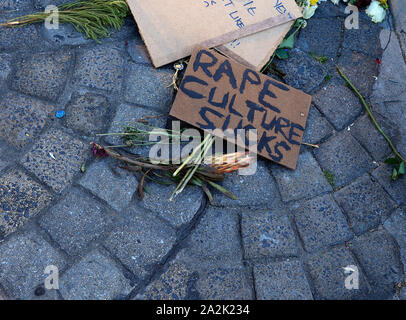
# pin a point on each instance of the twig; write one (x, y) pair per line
(371, 115)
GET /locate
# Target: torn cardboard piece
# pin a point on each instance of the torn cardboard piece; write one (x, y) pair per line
(172, 28)
(218, 93)
(255, 50)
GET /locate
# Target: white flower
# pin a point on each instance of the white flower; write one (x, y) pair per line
(376, 12)
(309, 11)
(335, 1)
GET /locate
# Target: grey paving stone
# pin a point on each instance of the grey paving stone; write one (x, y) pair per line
(371, 139)
(329, 277)
(365, 203)
(344, 157)
(22, 118)
(176, 283)
(317, 127)
(397, 189)
(321, 223)
(268, 233)
(24, 37)
(41, 4)
(360, 69)
(140, 242)
(3, 164)
(216, 237)
(127, 115)
(95, 277)
(326, 46)
(7, 6)
(87, 113)
(3, 296)
(403, 293)
(20, 199)
(327, 9)
(66, 34)
(391, 83)
(396, 226)
(100, 67)
(42, 74)
(399, 13)
(284, 280)
(248, 190)
(380, 260)
(306, 181)
(147, 86)
(337, 102)
(75, 222)
(226, 282)
(302, 71)
(5, 65)
(24, 258)
(69, 154)
(138, 52)
(180, 210)
(112, 184)
(365, 39)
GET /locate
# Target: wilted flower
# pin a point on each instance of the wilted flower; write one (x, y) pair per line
(98, 151)
(309, 11)
(376, 11)
(361, 3)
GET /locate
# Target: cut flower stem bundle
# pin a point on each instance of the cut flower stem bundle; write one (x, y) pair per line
(94, 18)
(196, 169)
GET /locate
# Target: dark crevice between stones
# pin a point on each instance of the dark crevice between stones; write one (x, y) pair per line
(162, 266)
(249, 272)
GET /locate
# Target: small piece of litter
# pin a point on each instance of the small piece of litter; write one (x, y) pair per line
(52, 156)
(60, 114)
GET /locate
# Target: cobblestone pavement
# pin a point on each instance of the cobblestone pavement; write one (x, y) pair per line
(288, 237)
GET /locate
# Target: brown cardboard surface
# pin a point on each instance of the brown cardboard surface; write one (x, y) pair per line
(172, 28)
(255, 50)
(218, 93)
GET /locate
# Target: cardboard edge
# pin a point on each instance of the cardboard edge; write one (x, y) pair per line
(237, 34)
(231, 54)
(248, 30)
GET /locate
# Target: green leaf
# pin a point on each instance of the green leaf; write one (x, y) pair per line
(402, 168)
(392, 161)
(208, 193)
(282, 54)
(288, 43)
(222, 190)
(395, 174)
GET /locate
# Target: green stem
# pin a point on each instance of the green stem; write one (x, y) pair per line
(370, 114)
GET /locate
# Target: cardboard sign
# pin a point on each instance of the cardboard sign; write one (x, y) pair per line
(255, 50)
(172, 28)
(217, 93)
